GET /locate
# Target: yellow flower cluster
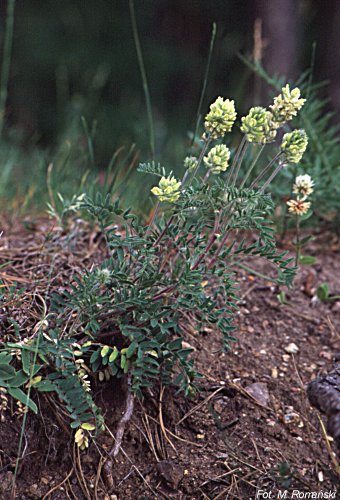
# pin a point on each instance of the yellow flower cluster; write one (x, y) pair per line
(217, 160)
(294, 144)
(258, 125)
(168, 189)
(286, 105)
(220, 118)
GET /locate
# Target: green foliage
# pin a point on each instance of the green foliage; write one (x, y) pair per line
(322, 291)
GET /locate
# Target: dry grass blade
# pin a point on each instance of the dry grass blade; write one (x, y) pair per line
(79, 472)
(175, 436)
(149, 437)
(330, 452)
(248, 395)
(58, 485)
(161, 423)
(197, 407)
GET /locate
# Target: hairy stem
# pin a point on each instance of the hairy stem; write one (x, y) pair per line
(236, 157)
(272, 176)
(265, 170)
(298, 244)
(252, 166)
(154, 215)
(210, 243)
(219, 250)
(239, 164)
(207, 141)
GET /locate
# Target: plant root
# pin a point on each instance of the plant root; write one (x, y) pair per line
(108, 466)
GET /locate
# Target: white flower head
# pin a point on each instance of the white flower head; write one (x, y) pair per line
(304, 185)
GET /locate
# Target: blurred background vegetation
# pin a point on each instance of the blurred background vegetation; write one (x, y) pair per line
(74, 58)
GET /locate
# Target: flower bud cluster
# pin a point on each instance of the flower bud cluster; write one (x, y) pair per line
(190, 163)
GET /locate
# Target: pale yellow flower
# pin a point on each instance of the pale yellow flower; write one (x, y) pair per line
(168, 189)
(220, 118)
(286, 105)
(258, 125)
(217, 160)
(81, 439)
(294, 144)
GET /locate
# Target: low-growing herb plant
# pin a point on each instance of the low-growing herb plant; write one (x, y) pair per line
(127, 317)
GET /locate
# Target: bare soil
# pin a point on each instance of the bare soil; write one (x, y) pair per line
(250, 428)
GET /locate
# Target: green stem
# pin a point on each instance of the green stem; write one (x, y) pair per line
(199, 161)
(6, 62)
(28, 396)
(251, 168)
(252, 271)
(182, 184)
(144, 78)
(237, 170)
(298, 244)
(265, 170)
(236, 157)
(211, 241)
(272, 176)
(205, 81)
(154, 215)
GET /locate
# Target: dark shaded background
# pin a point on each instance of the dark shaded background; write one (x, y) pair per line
(73, 57)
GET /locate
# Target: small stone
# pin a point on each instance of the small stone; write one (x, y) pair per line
(200, 436)
(320, 476)
(186, 345)
(259, 391)
(275, 373)
(292, 348)
(326, 354)
(170, 472)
